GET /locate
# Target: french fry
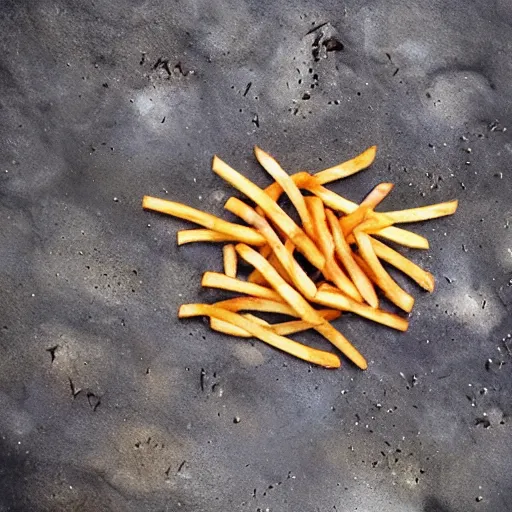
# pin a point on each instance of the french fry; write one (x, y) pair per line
(186, 236)
(287, 292)
(227, 328)
(432, 211)
(300, 305)
(243, 233)
(342, 344)
(404, 237)
(287, 184)
(339, 203)
(224, 282)
(321, 235)
(352, 220)
(374, 222)
(265, 250)
(339, 171)
(330, 198)
(274, 212)
(373, 277)
(295, 326)
(289, 246)
(374, 198)
(233, 330)
(283, 328)
(422, 277)
(259, 320)
(275, 190)
(276, 263)
(361, 281)
(326, 329)
(314, 356)
(366, 269)
(396, 294)
(256, 304)
(255, 276)
(345, 169)
(377, 195)
(333, 298)
(230, 260)
(289, 265)
(331, 271)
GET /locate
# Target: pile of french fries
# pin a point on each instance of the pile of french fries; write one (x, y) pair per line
(337, 237)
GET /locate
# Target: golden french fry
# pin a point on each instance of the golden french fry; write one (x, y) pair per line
(283, 328)
(300, 305)
(377, 195)
(230, 260)
(344, 253)
(255, 276)
(233, 330)
(366, 269)
(243, 233)
(422, 277)
(265, 250)
(314, 356)
(330, 198)
(432, 211)
(223, 282)
(404, 237)
(256, 304)
(289, 246)
(288, 185)
(345, 169)
(374, 222)
(186, 236)
(339, 171)
(227, 328)
(259, 320)
(275, 190)
(342, 344)
(288, 265)
(287, 292)
(333, 298)
(339, 203)
(295, 326)
(304, 244)
(396, 294)
(353, 219)
(332, 270)
(349, 222)
(321, 235)
(274, 261)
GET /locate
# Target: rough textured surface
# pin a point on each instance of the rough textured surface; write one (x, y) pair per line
(103, 407)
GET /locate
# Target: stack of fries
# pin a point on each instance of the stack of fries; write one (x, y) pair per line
(336, 236)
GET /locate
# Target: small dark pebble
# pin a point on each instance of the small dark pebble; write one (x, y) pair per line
(333, 45)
